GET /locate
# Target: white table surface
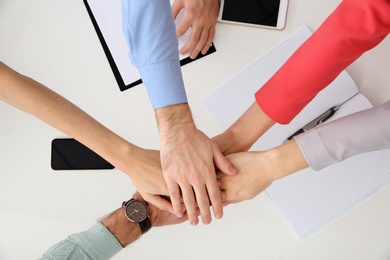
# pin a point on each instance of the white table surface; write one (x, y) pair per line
(54, 42)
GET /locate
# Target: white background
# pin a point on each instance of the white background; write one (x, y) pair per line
(54, 42)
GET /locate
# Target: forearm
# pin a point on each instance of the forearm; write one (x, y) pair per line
(245, 131)
(353, 28)
(121, 228)
(351, 135)
(33, 98)
(174, 120)
(286, 159)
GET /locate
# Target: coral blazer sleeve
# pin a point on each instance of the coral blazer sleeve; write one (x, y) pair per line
(353, 28)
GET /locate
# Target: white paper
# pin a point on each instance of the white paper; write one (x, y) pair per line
(108, 15)
(310, 200)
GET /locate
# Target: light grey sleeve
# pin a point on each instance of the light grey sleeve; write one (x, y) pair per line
(361, 132)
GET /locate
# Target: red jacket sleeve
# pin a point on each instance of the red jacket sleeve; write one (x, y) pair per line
(353, 28)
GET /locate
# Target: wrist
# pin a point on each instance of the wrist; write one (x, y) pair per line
(249, 128)
(238, 140)
(286, 159)
(175, 126)
(121, 228)
(171, 119)
(126, 155)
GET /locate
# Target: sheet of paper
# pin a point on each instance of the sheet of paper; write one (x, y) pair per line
(310, 200)
(108, 15)
(230, 100)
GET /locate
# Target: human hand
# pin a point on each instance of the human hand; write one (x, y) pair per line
(127, 232)
(201, 16)
(188, 157)
(160, 217)
(189, 168)
(257, 171)
(144, 169)
(255, 174)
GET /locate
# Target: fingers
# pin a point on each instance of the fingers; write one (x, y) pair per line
(190, 204)
(209, 41)
(183, 27)
(204, 35)
(196, 198)
(176, 7)
(223, 164)
(200, 40)
(214, 194)
(174, 193)
(194, 37)
(159, 202)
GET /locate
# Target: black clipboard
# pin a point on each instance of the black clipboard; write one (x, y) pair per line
(125, 73)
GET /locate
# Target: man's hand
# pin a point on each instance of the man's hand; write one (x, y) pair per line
(127, 232)
(188, 157)
(201, 16)
(160, 217)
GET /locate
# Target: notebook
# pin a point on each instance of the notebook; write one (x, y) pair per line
(310, 200)
(106, 17)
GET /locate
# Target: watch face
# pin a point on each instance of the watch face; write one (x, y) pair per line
(136, 211)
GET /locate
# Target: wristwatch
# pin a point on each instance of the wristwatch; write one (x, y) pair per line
(137, 211)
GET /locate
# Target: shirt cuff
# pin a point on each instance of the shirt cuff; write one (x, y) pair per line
(98, 242)
(314, 151)
(164, 83)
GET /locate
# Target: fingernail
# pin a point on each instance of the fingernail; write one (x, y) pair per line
(179, 214)
(171, 211)
(194, 223)
(218, 216)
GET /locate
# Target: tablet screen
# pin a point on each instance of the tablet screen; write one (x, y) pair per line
(260, 12)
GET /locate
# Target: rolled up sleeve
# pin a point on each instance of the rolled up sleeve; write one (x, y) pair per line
(96, 243)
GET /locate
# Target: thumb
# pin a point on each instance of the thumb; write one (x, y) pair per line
(223, 164)
(159, 202)
(176, 7)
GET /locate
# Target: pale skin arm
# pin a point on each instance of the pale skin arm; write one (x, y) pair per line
(257, 171)
(201, 16)
(142, 166)
(188, 159)
(240, 136)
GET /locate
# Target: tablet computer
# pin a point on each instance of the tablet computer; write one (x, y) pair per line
(270, 14)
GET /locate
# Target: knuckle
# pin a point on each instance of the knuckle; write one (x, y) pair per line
(174, 194)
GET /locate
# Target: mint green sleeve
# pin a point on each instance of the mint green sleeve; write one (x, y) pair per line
(96, 243)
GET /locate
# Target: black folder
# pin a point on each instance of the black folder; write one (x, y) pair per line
(106, 18)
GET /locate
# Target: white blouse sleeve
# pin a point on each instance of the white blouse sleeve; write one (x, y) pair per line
(361, 132)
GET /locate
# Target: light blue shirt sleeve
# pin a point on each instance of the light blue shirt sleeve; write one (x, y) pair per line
(96, 243)
(150, 32)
